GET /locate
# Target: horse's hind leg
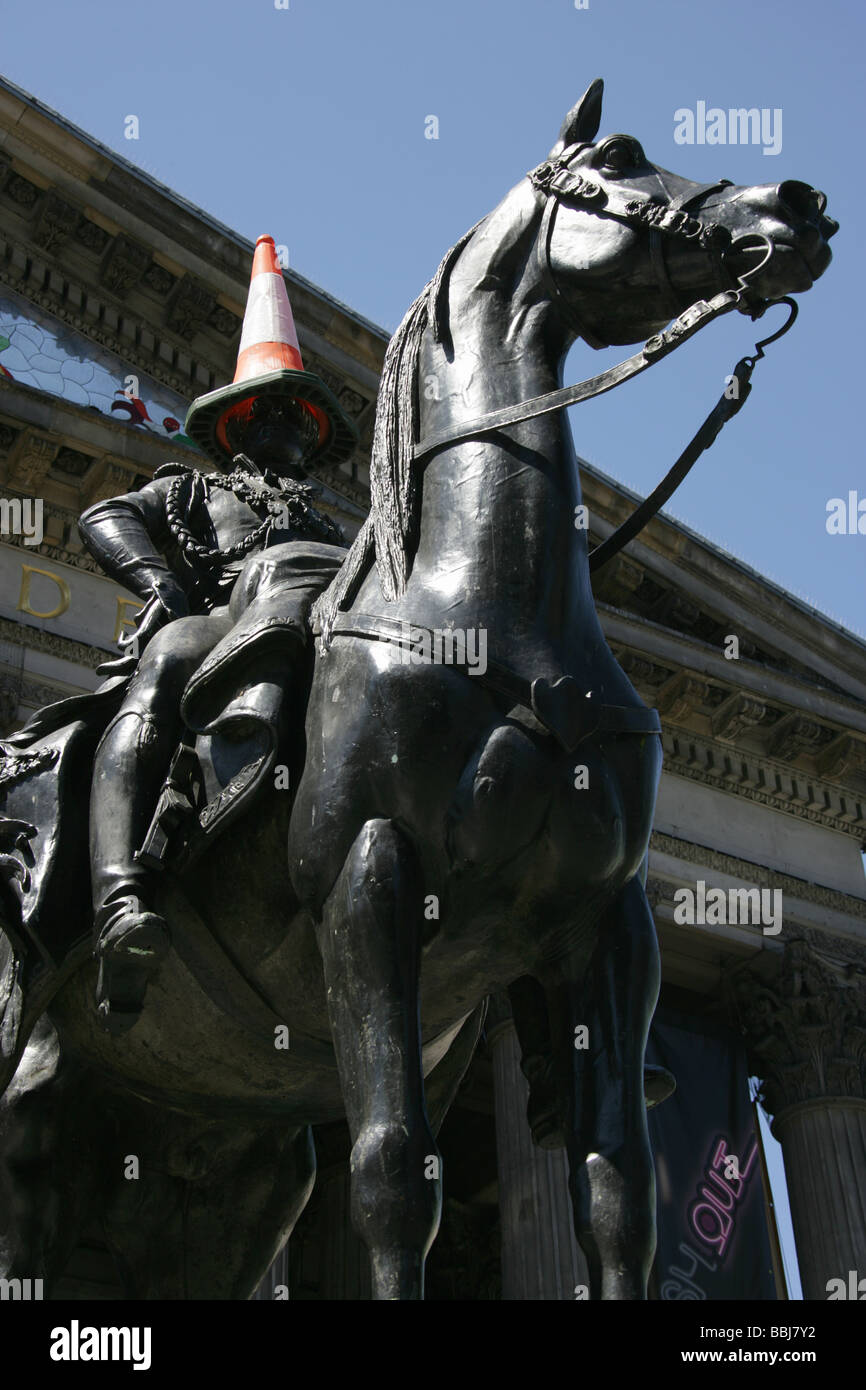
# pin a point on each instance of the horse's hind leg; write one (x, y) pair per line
(601, 1081)
(370, 938)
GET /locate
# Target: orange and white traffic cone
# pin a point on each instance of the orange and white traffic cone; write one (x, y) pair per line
(270, 364)
(269, 339)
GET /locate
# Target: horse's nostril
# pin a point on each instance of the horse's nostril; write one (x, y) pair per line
(801, 199)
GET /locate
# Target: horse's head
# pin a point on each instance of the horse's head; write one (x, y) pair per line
(615, 221)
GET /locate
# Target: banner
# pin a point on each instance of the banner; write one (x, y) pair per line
(713, 1241)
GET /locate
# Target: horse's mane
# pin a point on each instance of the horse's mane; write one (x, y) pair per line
(390, 530)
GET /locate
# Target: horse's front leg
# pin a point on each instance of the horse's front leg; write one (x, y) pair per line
(599, 1025)
(370, 943)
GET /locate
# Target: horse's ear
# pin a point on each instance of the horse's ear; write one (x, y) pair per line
(583, 120)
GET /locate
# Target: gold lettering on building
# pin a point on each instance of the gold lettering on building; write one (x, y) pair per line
(122, 620)
(24, 605)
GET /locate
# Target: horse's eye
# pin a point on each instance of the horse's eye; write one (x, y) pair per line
(619, 154)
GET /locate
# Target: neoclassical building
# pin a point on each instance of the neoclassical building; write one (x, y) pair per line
(119, 303)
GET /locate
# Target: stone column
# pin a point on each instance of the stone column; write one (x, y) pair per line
(345, 1267)
(541, 1259)
(804, 1017)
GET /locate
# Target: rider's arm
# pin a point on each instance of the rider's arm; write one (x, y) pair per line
(123, 535)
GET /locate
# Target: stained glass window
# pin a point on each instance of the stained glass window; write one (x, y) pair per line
(37, 350)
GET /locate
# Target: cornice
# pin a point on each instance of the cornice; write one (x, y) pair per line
(679, 650)
(741, 598)
(740, 772)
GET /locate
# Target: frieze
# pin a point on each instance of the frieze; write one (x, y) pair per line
(158, 279)
(91, 236)
(51, 642)
(223, 321)
(189, 308)
(124, 264)
(21, 190)
(759, 875)
(56, 220)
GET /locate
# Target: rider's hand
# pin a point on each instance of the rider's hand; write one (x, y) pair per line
(171, 598)
(167, 601)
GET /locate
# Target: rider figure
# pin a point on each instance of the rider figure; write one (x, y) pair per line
(199, 549)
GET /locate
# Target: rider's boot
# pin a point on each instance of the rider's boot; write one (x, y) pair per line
(130, 938)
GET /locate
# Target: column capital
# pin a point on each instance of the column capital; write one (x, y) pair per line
(803, 1016)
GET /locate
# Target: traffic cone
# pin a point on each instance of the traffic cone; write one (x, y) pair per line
(269, 339)
(270, 364)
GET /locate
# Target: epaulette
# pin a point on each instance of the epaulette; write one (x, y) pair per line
(172, 470)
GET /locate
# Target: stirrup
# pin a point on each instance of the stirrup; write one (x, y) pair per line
(131, 944)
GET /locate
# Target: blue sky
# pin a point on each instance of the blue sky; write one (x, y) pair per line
(309, 123)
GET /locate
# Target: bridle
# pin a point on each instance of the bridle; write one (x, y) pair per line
(664, 219)
(555, 182)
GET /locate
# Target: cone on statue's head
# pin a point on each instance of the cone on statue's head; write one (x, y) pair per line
(270, 371)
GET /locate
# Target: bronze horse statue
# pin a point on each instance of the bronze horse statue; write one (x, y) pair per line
(454, 831)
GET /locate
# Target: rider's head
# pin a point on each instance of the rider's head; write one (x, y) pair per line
(275, 432)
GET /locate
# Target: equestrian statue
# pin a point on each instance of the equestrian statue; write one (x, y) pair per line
(265, 877)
